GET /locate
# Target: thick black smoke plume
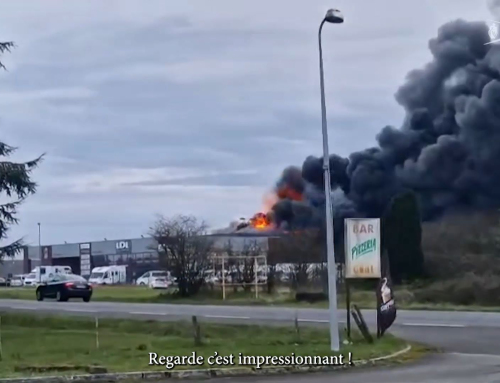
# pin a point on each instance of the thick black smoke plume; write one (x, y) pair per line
(447, 150)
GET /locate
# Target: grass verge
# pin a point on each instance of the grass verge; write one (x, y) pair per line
(36, 345)
(135, 294)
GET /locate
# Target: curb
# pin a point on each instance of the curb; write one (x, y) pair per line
(197, 374)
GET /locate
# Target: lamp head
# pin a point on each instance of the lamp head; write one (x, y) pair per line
(334, 16)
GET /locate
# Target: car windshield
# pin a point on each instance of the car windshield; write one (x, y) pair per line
(31, 276)
(96, 275)
(159, 274)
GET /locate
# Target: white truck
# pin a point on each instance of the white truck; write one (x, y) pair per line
(108, 275)
(46, 273)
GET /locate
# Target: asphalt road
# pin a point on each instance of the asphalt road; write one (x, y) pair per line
(471, 339)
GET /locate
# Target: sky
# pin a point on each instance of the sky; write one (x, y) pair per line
(193, 107)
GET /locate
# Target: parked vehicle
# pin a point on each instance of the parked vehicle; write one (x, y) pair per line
(46, 273)
(63, 287)
(159, 283)
(146, 278)
(108, 275)
(30, 280)
(17, 281)
(4, 282)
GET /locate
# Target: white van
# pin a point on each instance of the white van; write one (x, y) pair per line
(47, 273)
(108, 275)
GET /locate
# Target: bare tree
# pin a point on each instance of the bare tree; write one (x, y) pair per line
(185, 250)
(247, 268)
(241, 264)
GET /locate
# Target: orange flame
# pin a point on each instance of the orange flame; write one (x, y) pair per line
(260, 221)
(286, 192)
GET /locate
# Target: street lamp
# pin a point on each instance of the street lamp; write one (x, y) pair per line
(40, 242)
(332, 16)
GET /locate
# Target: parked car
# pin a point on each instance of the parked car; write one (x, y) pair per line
(159, 283)
(30, 280)
(17, 281)
(63, 287)
(146, 278)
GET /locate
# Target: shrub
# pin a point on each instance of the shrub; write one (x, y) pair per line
(460, 244)
(466, 290)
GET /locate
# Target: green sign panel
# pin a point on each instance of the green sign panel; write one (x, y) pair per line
(363, 248)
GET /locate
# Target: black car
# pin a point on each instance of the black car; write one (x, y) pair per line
(65, 286)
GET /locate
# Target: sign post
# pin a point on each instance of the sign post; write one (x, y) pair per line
(348, 307)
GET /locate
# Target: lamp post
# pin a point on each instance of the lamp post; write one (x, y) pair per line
(332, 16)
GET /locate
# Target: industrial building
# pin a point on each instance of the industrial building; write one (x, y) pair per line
(140, 254)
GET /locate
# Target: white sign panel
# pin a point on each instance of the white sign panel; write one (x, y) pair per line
(122, 245)
(85, 264)
(362, 247)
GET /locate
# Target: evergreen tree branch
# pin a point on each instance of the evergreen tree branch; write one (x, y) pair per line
(11, 250)
(15, 177)
(7, 216)
(6, 47)
(6, 150)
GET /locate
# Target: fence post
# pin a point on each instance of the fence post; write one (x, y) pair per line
(1, 348)
(297, 328)
(196, 331)
(223, 280)
(255, 273)
(97, 332)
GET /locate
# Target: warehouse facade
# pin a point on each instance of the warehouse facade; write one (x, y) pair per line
(140, 254)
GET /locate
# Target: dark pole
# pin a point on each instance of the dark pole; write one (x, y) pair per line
(347, 289)
(40, 242)
(348, 308)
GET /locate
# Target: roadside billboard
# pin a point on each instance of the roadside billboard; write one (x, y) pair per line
(362, 247)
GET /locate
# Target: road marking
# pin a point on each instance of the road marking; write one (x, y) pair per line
(319, 321)
(313, 320)
(433, 325)
(224, 317)
(145, 313)
(81, 310)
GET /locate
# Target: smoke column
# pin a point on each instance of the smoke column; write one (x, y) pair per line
(447, 150)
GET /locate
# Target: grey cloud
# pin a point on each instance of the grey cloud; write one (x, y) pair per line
(201, 86)
(229, 179)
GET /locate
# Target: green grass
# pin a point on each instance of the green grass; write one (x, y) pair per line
(32, 344)
(365, 299)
